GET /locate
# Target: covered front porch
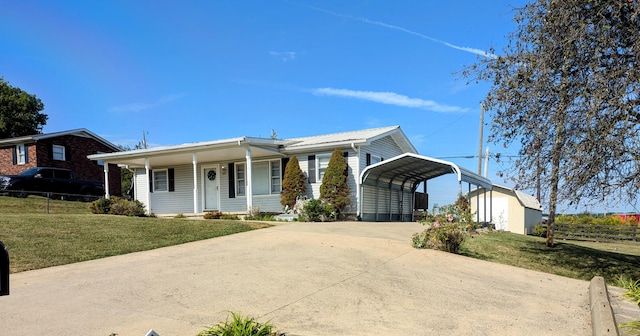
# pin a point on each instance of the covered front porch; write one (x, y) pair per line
(193, 178)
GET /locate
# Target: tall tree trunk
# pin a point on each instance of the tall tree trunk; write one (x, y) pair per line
(556, 155)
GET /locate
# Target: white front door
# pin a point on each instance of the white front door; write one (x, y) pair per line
(211, 179)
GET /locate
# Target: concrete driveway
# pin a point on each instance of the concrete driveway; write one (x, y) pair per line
(344, 278)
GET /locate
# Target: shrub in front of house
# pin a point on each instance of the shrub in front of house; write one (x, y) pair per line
(212, 215)
(447, 227)
(334, 189)
(117, 206)
(446, 237)
(100, 206)
(316, 210)
(293, 184)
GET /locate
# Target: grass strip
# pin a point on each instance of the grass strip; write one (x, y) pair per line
(578, 260)
(36, 241)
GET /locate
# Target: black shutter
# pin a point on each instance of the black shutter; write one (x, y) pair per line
(26, 154)
(14, 151)
(311, 168)
(150, 180)
(283, 165)
(51, 152)
(368, 159)
(232, 181)
(172, 181)
(67, 153)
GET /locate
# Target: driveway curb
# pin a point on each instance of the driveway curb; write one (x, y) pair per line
(602, 319)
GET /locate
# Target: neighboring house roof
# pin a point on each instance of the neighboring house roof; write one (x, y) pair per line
(235, 147)
(525, 200)
(82, 132)
(413, 168)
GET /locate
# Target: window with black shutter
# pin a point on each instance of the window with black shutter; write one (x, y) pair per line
(311, 167)
(232, 182)
(172, 180)
(150, 180)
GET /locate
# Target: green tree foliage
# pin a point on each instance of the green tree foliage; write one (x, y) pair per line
(19, 112)
(293, 184)
(566, 89)
(334, 189)
(126, 181)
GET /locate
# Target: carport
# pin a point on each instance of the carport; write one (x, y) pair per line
(387, 188)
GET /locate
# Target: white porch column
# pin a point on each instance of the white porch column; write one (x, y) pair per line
(147, 169)
(106, 180)
(248, 179)
(194, 160)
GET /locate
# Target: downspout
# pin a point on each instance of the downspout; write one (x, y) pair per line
(357, 178)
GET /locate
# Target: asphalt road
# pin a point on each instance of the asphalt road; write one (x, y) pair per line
(343, 278)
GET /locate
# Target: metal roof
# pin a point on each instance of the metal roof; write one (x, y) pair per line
(357, 138)
(525, 200)
(414, 168)
(224, 149)
(233, 148)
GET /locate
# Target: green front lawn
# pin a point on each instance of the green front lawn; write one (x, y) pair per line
(579, 260)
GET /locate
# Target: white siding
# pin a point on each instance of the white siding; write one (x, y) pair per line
(385, 148)
(141, 187)
(266, 203)
(178, 201)
(313, 189)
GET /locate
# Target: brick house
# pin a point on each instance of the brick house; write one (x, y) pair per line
(67, 149)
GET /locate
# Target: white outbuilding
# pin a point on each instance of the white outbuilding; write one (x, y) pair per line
(510, 210)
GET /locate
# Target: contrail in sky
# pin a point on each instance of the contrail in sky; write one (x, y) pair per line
(405, 30)
(389, 98)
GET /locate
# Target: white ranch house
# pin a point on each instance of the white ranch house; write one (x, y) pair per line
(238, 174)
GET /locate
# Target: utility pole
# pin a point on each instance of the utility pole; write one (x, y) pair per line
(144, 139)
(480, 142)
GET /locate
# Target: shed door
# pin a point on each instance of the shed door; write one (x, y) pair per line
(211, 192)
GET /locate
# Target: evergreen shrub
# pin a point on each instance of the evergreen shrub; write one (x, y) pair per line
(334, 189)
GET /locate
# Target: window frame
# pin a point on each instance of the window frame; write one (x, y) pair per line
(319, 170)
(63, 153)
(241, 188)
(277, 177)
(21, 154)
(273, 176)
(155, 181)
(375, 159)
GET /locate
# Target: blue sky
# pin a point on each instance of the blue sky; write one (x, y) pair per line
(187, 71)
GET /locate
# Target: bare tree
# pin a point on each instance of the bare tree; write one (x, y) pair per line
(566, 87)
